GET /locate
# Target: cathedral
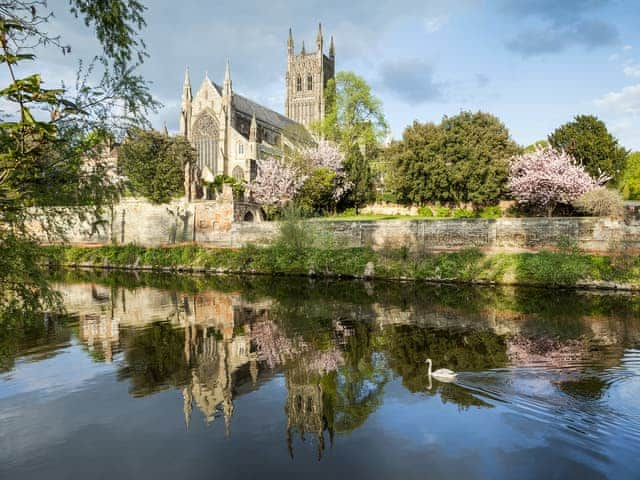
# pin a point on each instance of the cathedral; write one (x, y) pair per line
(230, 132)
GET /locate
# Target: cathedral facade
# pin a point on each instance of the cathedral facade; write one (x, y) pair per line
(231, 132)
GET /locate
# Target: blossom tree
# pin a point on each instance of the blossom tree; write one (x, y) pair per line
(328, 155)
(276, 183)
(547, 177)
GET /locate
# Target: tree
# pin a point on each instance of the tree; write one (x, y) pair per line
(316, 194)
(631, 178)
(353, 115)
(462, 159)
(359, 172)
(154, 164)
(276, 183)
(48, 135)
(545, 178)
(587, 140)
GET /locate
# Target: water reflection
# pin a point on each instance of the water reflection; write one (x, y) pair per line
(342, 350)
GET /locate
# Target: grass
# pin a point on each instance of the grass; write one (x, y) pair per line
(560, 269)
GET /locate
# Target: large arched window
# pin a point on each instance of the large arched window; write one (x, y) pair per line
(299, 84)
(205, 141)
(238, 173)
(309, 82)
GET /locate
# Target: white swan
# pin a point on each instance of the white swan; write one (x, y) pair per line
(442, 374)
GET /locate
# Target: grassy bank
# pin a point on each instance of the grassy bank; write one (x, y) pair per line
(566, 268)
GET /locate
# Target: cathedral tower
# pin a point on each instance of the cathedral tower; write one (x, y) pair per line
(307, 78)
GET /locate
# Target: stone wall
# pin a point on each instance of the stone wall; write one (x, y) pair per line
(220, 223)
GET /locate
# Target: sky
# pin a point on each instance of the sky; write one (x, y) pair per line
(533, 63)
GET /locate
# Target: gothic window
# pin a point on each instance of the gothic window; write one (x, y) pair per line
(238, 173)
(240, 149)
(309, 82)
(205, 141)
(299, 84)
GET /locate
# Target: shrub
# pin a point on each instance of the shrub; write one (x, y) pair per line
(462, 213)
(425, 212)
(491, 212)
(600, 202)
(443, 212)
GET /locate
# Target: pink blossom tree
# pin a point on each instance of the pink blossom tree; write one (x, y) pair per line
(328, 155)
(546, 177)
(275, 183)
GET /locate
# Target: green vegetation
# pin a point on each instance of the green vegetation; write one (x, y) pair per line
(462, 159)
(154, 164)
(587, 139)
(566, 267)
(631, 179)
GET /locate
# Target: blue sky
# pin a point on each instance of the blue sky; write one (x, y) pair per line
(533, 63)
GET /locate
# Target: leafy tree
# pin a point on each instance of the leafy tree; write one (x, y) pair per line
(154, 164)
(462, 159)
(545, 178)
(631, 178)
(536, 145)
(353, 114)
(316, 194)
(587, 139)
(48, 135)
(359, 173)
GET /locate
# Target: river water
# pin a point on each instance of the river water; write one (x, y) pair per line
(154, 376)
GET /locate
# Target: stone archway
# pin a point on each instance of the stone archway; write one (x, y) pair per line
(238, 173)
(248, 217)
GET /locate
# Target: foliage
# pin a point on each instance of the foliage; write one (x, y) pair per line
(353, 115)
(316, 194)
(536, 145)
(601, 202)
(490, 212)
(154, 164)
(425, 211)
(276, 183)
(631, 178)
(462, 159)
(587, 140)
(359, 174)
(545, 178)
(236, 186)
(52, 140)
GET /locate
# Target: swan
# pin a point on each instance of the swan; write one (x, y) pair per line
(442, 374)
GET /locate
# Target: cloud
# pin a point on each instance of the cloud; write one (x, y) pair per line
(632, 70)
(551, 26)
(482, 80)
(411, 80)
(589, 34)
(626, 101)
(435, 24)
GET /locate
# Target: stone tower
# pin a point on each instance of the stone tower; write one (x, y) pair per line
(307, 77)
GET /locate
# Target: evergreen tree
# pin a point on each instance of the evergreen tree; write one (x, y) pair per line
(587, 140)
(359, 172)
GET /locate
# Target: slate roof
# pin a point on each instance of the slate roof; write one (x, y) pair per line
(263, 114)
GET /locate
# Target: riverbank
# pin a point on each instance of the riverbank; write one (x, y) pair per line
(566, 268)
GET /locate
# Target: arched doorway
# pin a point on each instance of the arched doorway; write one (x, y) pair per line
(248, 217)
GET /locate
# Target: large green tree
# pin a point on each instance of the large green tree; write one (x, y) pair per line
(154, 164)
(49, 136)
(587, 139)
(463, 159)
(631, 178)
(359, 173)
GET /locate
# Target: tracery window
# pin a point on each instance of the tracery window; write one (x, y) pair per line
(240, 149)
(309, 82)
(299, 83)
(205, 141)
(238, 173)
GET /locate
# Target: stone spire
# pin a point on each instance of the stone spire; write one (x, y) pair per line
(253, 130)
(319, 38)
(303, 51)
(227, 87)
(165, 130)
(290, 43)
(186, 87)
(332, 48)
(185, 111)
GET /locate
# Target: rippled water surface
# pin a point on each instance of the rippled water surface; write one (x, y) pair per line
(179, 377)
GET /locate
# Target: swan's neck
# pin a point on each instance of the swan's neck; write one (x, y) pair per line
(429, 363)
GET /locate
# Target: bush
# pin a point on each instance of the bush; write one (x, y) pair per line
(600, 202)
(462, 213)
(443, 212)
(491, 212)
(425, 212)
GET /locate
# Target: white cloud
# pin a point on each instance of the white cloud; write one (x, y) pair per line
(627, 47)
(435, 24)
(626, 100)
(632, 70)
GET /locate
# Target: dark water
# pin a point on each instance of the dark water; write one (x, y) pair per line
(180, 377)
